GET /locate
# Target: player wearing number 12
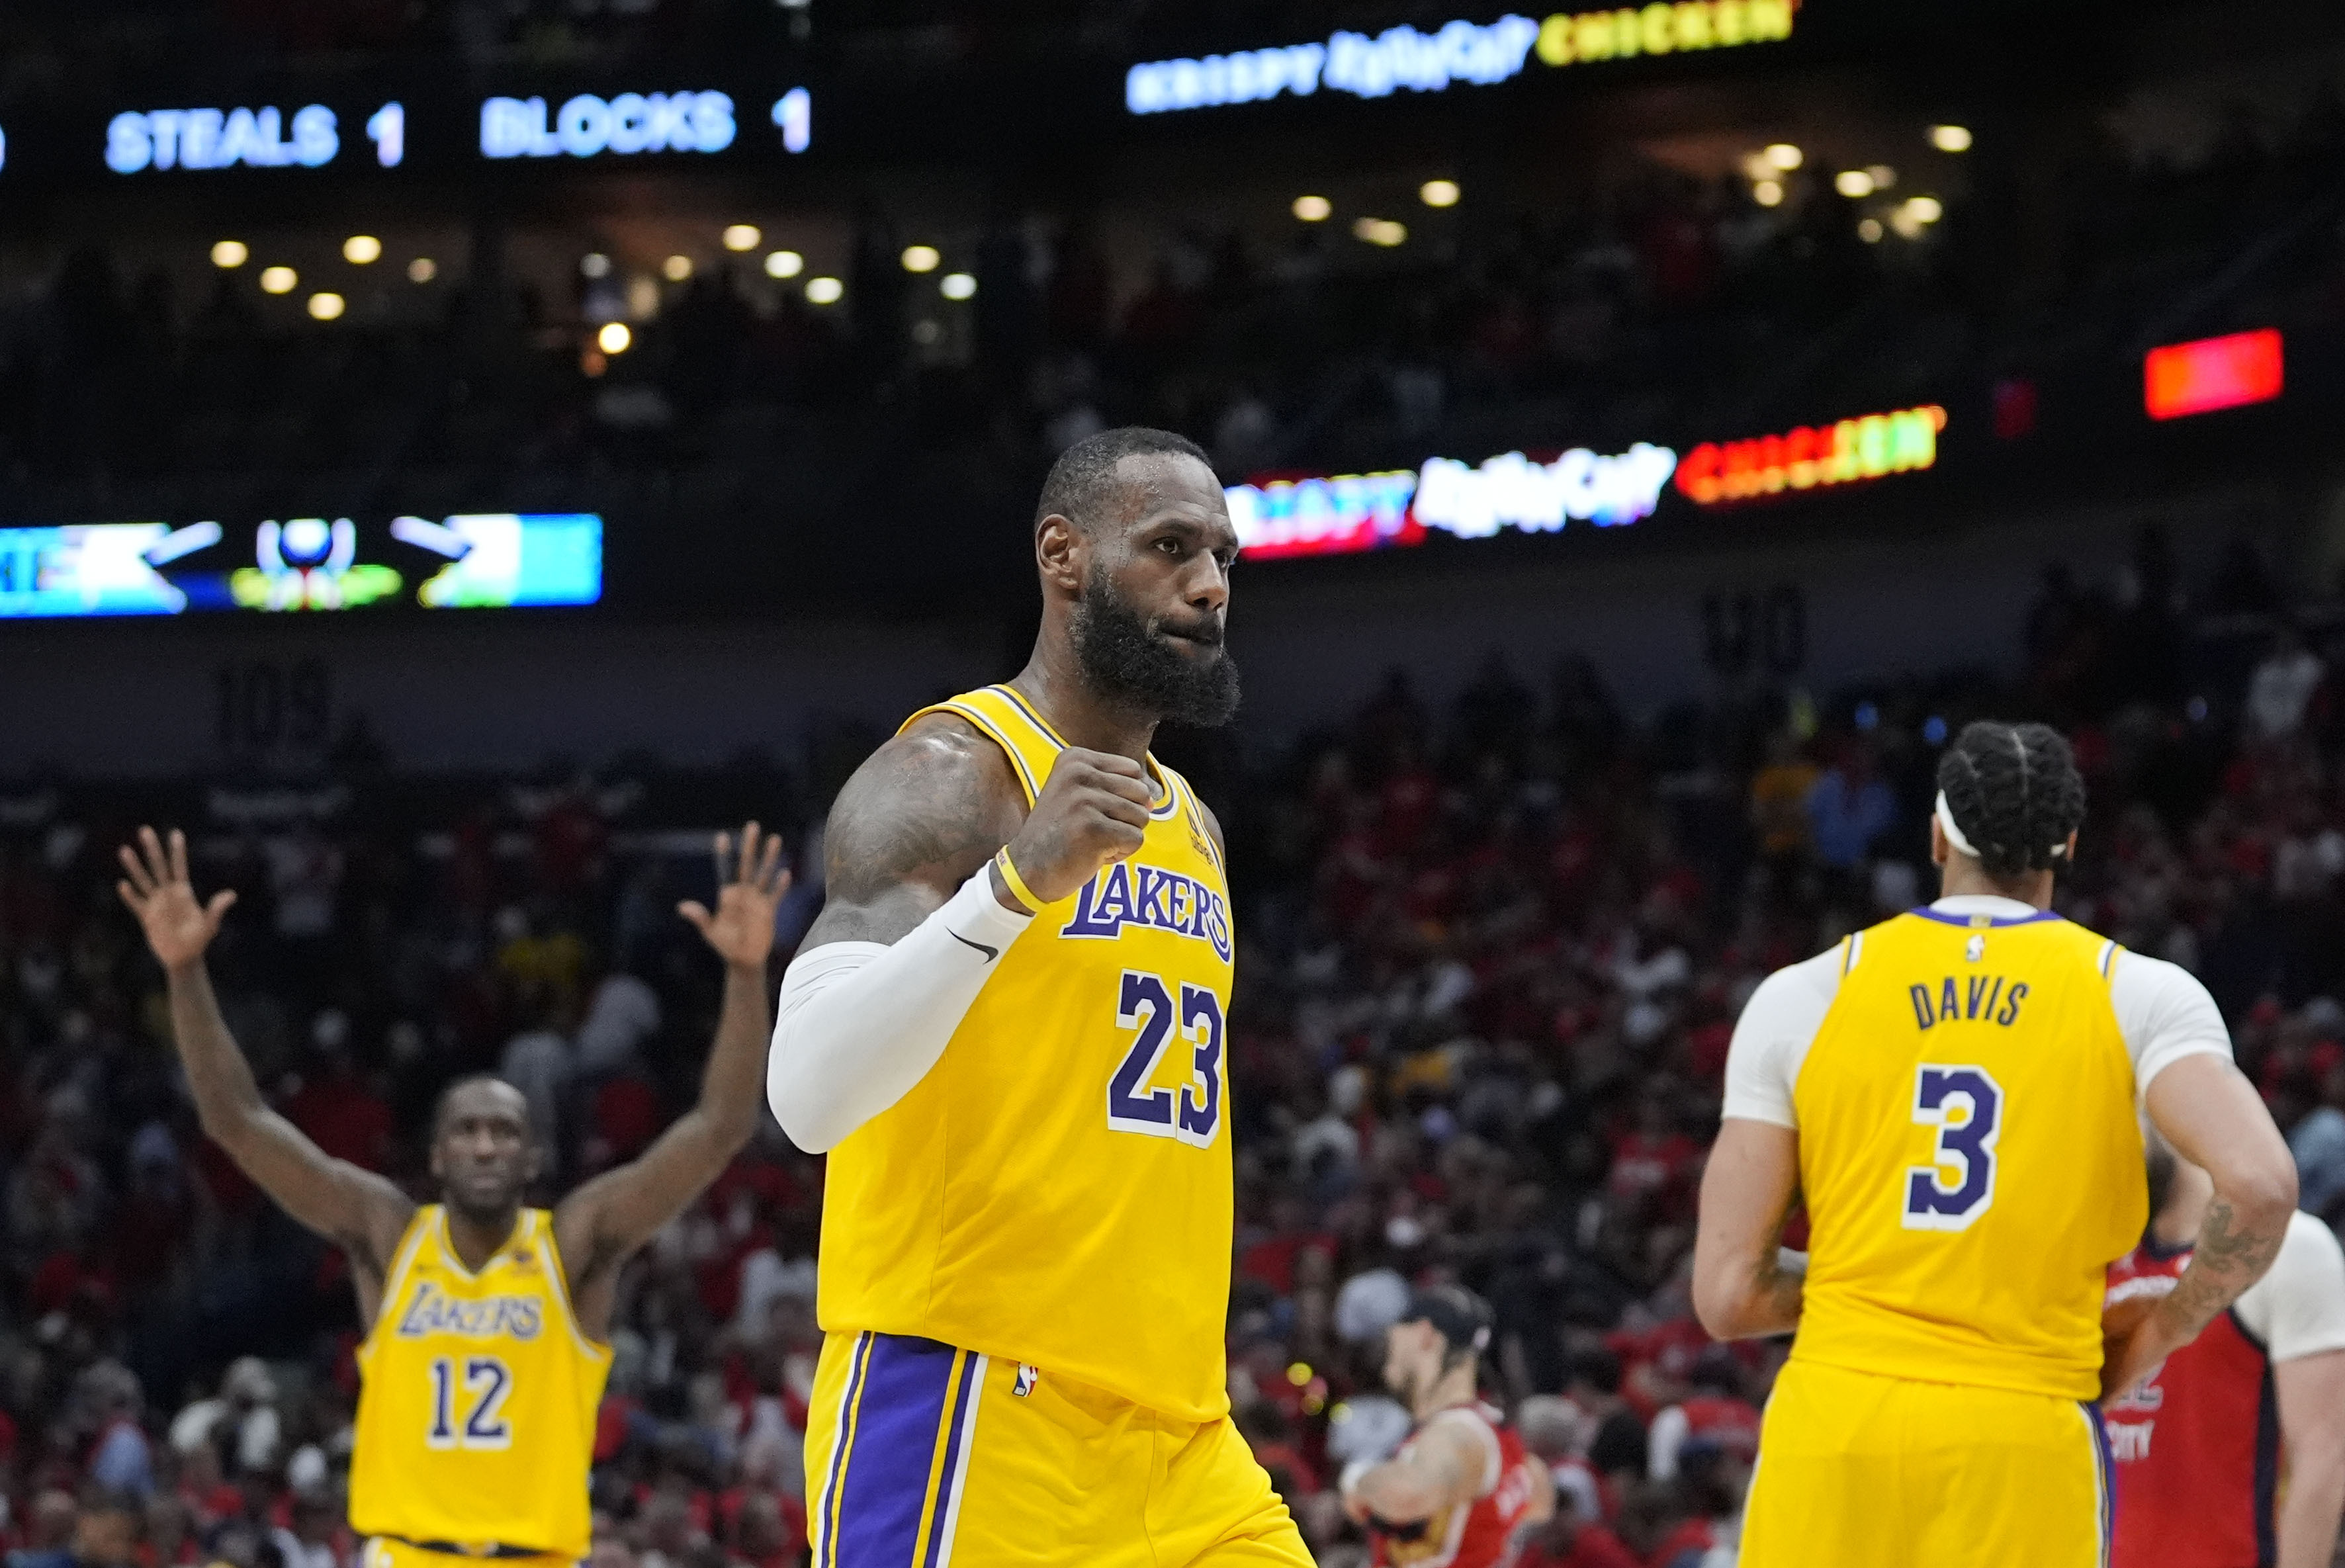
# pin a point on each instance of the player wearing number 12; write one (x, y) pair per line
(483, 1361)
(1955, 1093)
(1008, 1030)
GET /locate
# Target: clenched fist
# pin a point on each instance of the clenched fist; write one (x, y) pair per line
(1093, 808)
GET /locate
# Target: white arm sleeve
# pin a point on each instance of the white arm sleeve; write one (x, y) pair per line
(1772, 1036)
(2297, 1308)
(2165, 1014)
(860, 1023)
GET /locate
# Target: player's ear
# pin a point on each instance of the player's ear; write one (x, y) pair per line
(1940, 849)
(1061, 551)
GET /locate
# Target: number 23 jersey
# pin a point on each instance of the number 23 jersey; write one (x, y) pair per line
(477, 1396)
(1057, 1191)
(1963, 1082)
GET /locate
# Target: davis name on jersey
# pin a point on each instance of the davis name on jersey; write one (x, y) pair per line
(1974, 1000)
(1130, 894)
(432, 1311)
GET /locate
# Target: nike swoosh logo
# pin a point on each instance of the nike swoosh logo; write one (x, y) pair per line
(990, 953)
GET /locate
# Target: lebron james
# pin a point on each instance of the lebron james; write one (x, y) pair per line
(1009, 1028)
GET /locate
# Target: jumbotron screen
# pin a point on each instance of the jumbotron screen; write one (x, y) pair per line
(466, 561)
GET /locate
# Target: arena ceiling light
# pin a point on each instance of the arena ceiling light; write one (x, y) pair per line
(615, 338)
(423, 270)
(1784, 155)
(278, 279)
(1884, 176)
(1381, 231)
(921, 258)
(1854, 182)
(326, 306)
(1951, 138)
(957, 286)
(1925, 209)
(1768, 193)
(784, 263)
(1439, 193)
(1313, 208)
(676, 268)
(359, 249)
(743, 236)
(1869, 231)
(594, 264)
(230, 253)
(825, 291)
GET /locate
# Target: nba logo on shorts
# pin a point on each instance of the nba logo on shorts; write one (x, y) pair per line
(1026, 1378)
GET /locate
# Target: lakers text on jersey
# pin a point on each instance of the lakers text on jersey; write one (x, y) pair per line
(478, 1393)
(1056, 1192)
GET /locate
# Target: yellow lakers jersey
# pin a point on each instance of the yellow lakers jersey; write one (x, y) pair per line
(477, 1398)
(1056, 1192)
(1970, 1153)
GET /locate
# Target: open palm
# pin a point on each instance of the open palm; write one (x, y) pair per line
(178, 929)
(748, 892)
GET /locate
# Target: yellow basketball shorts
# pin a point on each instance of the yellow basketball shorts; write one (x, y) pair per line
(390, 1551)
(1857, 1471)
(920, 1455)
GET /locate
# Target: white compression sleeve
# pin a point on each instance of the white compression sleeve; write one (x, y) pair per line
(860, 1023)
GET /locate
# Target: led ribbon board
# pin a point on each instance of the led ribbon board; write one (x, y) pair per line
(1346, 513)
(1810, 456)
(1476, 54)
(470, 561)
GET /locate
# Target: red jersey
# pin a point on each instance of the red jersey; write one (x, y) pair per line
(2196, 1446)
(1483, 1533)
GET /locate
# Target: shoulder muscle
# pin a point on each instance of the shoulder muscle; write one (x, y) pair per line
(915, 821)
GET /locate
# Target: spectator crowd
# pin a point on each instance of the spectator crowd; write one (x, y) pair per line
(1492, 952)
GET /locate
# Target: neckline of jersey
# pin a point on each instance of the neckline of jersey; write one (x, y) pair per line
(526, 1222)
(1949, 917)
(1161, 807)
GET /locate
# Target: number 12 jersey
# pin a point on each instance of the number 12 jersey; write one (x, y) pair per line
(477, 1398)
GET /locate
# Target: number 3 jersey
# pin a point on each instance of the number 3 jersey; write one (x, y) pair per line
(1962, 1081)
(477, 1398)
(1056, 1192)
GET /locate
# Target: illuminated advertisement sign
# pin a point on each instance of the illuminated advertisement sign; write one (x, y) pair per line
(1403, 57)
(1811, 456)
(470, 561)
(1351, 513)
(2212, 373)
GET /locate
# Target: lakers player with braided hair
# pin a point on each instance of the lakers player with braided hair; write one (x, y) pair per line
(1955, 1094)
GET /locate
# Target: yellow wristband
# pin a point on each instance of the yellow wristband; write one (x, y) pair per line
(1015, 882)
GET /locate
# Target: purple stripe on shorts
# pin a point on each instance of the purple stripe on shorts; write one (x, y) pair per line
(905, 1387)
(963, 1391)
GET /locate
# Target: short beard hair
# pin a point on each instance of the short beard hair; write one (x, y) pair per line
(1124, 659)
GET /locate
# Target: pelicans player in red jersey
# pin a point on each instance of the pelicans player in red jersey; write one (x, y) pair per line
(2232, 1454)
(1955, 1094)
(1461, 1492)
(1008, 1030)
(487, 1322)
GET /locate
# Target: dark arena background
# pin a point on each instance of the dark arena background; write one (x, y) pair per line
(457, 454)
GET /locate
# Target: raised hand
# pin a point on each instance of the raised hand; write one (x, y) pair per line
(1093, 808)
(177, 927)
(748, 892)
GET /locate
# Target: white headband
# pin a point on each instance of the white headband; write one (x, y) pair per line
(1954, 836)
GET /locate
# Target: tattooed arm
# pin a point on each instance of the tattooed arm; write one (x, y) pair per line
(917, 918)
(2214, 1119)
(1744, 1285)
